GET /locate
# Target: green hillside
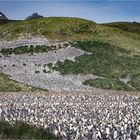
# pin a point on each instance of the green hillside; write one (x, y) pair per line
(53, 28)
(108, 61)
(126, 35)
(115, 47)
(126, 26)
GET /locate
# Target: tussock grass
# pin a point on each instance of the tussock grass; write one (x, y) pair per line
(107, 83)
(52, 27)
(125, 26)
(125, 34)
(135, 81)
(27, 49)
(106, 60)
(21, 130)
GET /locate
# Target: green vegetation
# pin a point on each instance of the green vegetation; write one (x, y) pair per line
(126, 26)
(21, 130)
(8, 85)
(29, 49)
(115, 47)
(52, 27)
(125, 35)
(37, 71)
(135, 81)
(45, 71)
(50, 65)
(107, 83)
(106, 60)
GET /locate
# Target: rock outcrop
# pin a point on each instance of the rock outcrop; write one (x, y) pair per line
(34, 16)
(3, 18)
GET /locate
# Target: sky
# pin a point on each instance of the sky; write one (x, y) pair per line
(100, 11)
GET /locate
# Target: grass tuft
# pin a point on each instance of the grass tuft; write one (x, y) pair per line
(21, 130)
(113, 84)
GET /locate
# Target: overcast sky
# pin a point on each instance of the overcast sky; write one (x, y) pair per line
(99, 11)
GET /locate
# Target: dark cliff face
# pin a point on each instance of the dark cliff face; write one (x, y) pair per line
(2, 16)
(34, 16)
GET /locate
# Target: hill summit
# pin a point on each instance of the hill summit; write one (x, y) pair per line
(34, 16)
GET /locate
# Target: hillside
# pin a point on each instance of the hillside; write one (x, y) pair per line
(126, 26)
(53, 28)
(75, 29)
(114, 48)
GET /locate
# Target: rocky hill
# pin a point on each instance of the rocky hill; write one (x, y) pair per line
(2, 16)
(34, 16)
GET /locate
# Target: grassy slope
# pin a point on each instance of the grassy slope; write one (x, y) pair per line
(126, 26)
(107, 84)
(8, 85)
(67, 29)
(109, 62)
(124, 34)
(53, 27)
